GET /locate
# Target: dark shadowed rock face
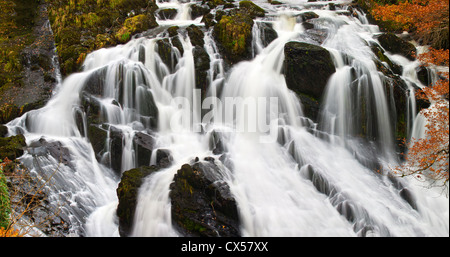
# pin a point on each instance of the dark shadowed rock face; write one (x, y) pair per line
(202, 204)
(307, 68)
(127, 193)
(396, 45)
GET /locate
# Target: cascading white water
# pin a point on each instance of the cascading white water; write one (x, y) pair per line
(295, 185)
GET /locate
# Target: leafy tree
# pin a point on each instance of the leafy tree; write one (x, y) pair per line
(428, 18)
(428, 157)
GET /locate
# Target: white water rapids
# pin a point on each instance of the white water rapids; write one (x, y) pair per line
(311, 181)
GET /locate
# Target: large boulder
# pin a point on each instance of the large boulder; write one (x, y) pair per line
(396, 45)
(307, 68)
(233, 34)
(127, 193)
(202, 204)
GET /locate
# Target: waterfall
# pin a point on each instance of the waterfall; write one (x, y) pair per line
(289, 175)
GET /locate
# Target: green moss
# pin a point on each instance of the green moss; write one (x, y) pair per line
(234, 33)
(16, 22)
(132, 26)
(193, 226)
(253, 9)
(5, 204)
(127, 193)
(83, 26)
(12, 147)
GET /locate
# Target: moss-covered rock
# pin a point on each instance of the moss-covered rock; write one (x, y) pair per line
(307, 68)
(202, 205)
(252, 9)
(381, 57)
(27, 74)
(195, 35)
(166, 53)
(135, 24)
(12, 147)
(93, 24)
(3, 130)
(214, 3)
(197, 11)
(127, 193)
(234, 36)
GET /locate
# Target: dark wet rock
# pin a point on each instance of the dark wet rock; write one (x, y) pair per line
(175, 39)
(92, 107)
(216, 142)
(147, 108)
(392, 68)
(3, 130)
(316, 34)
(209, 20)
(98, 136)
(252, 9)
(95, 83)
(166, 53)
(202, 204)
(195, 35)
(310, 106)
(167, 14)
(127, 193)
(423, 75)
(197, 11)
(213, 3)
(143, 145)
(268, 34)
(308, 16)
(396, 45)
(173, 31)
(56, 149)
(307, 68)
(116, 148)
(163, 158)
(202, 65)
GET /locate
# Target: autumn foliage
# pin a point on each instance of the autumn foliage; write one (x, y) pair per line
(429, 19)
(428, 157)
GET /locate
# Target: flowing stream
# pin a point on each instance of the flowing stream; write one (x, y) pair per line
(290, 177)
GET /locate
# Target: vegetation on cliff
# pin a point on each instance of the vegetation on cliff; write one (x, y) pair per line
(82, 26)
(428, 22)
